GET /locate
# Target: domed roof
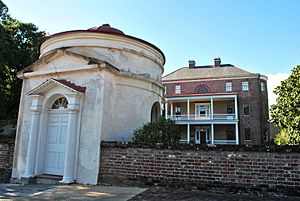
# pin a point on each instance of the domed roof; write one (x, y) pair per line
(106, 28)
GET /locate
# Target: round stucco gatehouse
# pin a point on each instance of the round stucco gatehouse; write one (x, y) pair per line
(88, 86)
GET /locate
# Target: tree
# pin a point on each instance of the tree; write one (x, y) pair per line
(285, 113)
(163, 131)
(18, 49)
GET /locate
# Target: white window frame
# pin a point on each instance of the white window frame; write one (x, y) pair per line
(199, 106)
(245, 86)
(228, 86)
(177, 89)
(262, 86)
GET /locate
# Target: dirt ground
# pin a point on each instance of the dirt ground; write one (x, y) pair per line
(173, 194)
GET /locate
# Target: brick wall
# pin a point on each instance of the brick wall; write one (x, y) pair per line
(209, 167)
(258, 101)
(6, 160)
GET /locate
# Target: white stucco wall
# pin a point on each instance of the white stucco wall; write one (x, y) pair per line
(114, 104)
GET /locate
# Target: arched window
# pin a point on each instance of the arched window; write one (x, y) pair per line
(202, 89)
(60, 103)
(155, 112)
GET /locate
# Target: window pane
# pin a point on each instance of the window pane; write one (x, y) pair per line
(246, 109)
(228, 86)
(247, 132)
(245, 86)
(177, 89)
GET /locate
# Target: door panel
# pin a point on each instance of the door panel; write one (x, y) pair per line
(56, 144)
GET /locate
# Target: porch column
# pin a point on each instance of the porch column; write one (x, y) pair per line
(171, 110)
(212, 134)
(235, 107)
(212, 108)
(236, 133)
(188, 134)
(68, 176)
(166, 110)
(188, 108)
(33, 136)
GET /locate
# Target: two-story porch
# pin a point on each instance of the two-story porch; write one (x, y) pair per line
(205, 119)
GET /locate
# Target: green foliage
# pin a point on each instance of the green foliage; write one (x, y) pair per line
(285, 113)
(18, 49)
(163, 131)
(282, 138)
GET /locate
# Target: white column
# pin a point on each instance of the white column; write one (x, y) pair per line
(188, 109)
(33, 135)
(166, 110)
(32, 145)
(68, 176)
(212, 108)
(235, 107)
(212, 134)
(172, 110)
(188, 134)
(236, 133)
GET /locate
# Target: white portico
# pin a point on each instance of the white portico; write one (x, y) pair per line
(53, 146)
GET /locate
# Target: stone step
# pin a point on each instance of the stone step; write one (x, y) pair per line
(48, 179)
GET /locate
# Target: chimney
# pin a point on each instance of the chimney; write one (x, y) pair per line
(192, 64)
(217, 62)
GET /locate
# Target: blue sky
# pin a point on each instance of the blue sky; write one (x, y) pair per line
(258, 35)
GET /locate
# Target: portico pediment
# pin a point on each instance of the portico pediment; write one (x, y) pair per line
(52, 83)
(63, 61)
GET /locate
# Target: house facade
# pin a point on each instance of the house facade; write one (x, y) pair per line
(87, 86)
(218, 104)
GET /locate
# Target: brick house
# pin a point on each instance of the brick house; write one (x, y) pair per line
(218, 104)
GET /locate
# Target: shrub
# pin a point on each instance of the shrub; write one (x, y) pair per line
(164, 131)
(282, 138)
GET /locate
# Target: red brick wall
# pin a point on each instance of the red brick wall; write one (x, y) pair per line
(258, 101)
(6, 160)
(203, 168)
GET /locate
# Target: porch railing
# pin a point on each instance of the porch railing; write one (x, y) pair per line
(193, 117)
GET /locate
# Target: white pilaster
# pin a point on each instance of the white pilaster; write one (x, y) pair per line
(166, 110)
(188, 108)
(212, 108)
(171, 110)
(235, 107)
(188, 134)
(212, 134)
(68, 176)
(33, 136)
(236, 133)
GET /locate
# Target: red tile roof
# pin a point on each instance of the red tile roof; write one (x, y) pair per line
(71, 85)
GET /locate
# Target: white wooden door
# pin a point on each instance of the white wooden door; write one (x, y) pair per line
(56, 143)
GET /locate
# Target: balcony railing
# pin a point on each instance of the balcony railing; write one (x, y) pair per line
(193, 117)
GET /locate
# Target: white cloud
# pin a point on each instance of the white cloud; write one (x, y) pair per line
(274, 80)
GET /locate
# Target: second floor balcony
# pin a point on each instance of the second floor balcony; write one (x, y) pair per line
(202, 109)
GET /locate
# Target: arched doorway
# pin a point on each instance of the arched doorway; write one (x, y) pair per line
(155, 112)
(57, 128)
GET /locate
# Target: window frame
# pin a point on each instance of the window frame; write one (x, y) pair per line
(248, 139)
(244, 106)
(262, 86)
(228, 86)
(245, 86)
(177, 89)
